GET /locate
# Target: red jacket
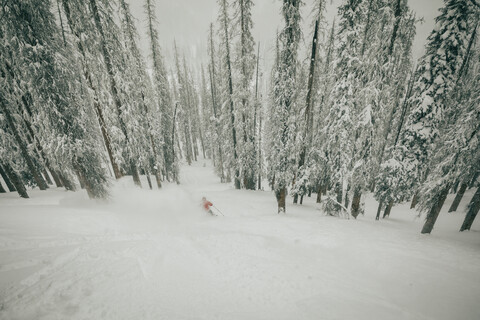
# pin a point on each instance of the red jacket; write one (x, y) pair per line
(207, 204)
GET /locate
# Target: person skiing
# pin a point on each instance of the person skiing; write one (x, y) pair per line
(206, 205)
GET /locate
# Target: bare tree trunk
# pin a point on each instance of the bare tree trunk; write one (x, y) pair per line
(472, 212)
(67, 183)
(379, 209)
(386, 213)
(339, 193)
(475, 177)
(307, 134)
(148, 180)
(47, 177)
(260, 152)
(5, 177)
(86, 183)
(357, 194)
(458, 197)
(55, 177)
(414, 201)
(80, 179)
(16, 181)
(319, 193)
(230, 92)
(435, 210)
(281, 195)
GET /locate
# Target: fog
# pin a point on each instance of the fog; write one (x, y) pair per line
(187, 22)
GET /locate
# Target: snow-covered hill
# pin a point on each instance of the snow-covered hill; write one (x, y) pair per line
(156, 255)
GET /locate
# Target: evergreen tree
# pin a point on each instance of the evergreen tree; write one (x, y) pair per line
(245, 65)
(439, 71)
(307, 134)
(162, 89)
(227, 95)
(281, 127)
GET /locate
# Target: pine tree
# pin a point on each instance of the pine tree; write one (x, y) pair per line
(53, 103)
(307, 134)
(216, 108)
(282, 130)
(345, 111)
(114, 86)
(457, 148)
(244, 64)
(439, 70)
(162, 88)
(79, 24)
(148, 137)
(224, 22)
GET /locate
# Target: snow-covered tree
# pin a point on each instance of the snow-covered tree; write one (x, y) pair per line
(281, 125)
(162, 87)
(439, 71)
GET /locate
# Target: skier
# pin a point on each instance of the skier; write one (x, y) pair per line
(206, 205)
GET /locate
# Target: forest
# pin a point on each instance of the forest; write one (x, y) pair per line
(81, 105)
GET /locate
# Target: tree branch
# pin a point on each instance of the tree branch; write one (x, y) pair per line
(475, 3)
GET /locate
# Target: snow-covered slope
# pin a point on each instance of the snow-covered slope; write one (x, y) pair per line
(155, 255)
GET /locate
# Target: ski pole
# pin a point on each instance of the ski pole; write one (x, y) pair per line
(219, 211)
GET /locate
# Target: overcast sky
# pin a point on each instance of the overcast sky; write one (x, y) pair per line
(187, 21)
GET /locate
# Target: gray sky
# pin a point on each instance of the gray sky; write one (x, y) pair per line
(187, 21)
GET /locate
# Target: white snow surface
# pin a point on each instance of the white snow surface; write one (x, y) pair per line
(154, 254)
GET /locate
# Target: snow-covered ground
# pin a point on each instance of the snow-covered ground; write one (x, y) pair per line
(153, 254)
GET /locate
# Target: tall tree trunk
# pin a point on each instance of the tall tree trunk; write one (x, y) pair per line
(5, 177)
(319, 193)
(67, 182)
(367, 27)
(474, 180)
(84, 181)
(260, 153)
(398, 12)
(47, 177)
(113, 87)
(405, 105)
(386, 213)
(307, 134)
(149, 180)
(281, 195)
(37, 176)
(156, 171)
(458, 197)
(256, 136)
(230, 95)
(435, 210)
(55, 177)
(414, 201)
(339, 192)
(15, 179)
(379, 209)
(80, 179)
(213, 91)
(96, 104)
(472, 212)
(357, 195)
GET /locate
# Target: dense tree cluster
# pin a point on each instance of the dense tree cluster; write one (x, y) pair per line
(355, 114)
(77, 102)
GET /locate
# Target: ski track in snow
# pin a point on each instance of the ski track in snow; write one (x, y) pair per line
(150, 254)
